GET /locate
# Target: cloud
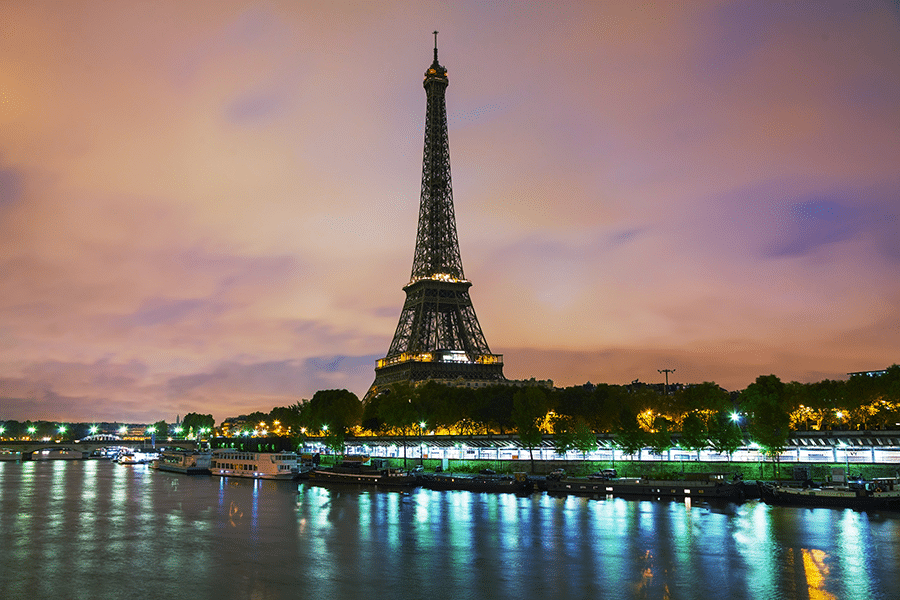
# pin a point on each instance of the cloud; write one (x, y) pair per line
(810, 224)
(11, 187)
(255, 107)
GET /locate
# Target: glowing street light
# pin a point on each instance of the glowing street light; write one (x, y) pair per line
(94, 429)
(123, 430)
(735, 417)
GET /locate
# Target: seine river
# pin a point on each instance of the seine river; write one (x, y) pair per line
(98, 530)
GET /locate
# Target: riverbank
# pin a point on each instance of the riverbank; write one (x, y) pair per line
(768, 471)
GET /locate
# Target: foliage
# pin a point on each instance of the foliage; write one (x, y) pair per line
(529, 407)
(194, 422)
(694, 435)
(725, 436)
(583, 437)
(764, 401)
(629, 436)
(333, 413)
(660, 438)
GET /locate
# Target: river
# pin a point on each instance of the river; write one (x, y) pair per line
(98, 530)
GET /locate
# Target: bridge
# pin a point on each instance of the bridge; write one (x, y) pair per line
(30, 446)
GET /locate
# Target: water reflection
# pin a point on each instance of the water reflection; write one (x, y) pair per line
(98, 528)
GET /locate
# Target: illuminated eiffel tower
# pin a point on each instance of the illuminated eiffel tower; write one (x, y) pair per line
(438, 336)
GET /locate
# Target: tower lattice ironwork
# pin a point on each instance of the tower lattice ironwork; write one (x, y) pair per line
(438, 336)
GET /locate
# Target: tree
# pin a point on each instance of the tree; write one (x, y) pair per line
(770, 421)
(694, 433)
(583, 437)
(194, 422)
(335, 412)
(563, 432)
(725, 435)
(493, 407)
(397, 410)
(629, 436)
(529, 409)
(161, 430)
(706, 397)
(660, 439)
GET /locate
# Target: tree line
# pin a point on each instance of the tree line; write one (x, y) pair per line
(637, 416)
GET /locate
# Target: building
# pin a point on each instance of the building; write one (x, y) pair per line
(438, 336)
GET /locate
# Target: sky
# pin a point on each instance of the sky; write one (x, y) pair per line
(211, 206)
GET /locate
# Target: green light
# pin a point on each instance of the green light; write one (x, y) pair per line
(324, 427)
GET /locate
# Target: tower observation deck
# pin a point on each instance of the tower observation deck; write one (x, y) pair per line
(438, 336)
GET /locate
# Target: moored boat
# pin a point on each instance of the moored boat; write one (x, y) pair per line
(713, 485)
(878, 494)
(136, 458)
(228, 462)
(356, 471)
(187, 462)
(519, 483)
(10, 454)
(57, 454)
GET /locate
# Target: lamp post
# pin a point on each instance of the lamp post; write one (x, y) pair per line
(666, 371)
(422, 443)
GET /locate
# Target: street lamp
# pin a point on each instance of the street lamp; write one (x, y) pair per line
(422, 445)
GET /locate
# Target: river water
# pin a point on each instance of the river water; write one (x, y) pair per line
(98, 530)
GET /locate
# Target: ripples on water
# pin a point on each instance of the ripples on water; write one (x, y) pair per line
(86, 529)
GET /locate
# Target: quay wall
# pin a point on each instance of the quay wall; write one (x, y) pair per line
(655, 469)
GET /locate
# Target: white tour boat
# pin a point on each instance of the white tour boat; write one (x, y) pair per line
(228, 462)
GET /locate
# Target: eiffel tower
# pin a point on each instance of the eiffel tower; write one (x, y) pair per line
(438, 336)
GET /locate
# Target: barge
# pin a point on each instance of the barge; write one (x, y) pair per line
(713, 485)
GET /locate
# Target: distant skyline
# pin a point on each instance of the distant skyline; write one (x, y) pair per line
(211, 206)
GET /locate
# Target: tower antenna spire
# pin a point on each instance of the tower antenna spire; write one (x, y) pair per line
(435, 46)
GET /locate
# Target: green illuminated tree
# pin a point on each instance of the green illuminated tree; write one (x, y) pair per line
(529, 408)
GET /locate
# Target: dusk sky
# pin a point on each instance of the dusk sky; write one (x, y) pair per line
(211, 206)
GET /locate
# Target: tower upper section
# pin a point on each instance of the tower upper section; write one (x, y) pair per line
(437, 245)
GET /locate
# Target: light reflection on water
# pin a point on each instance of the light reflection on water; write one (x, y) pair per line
(86, 529)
